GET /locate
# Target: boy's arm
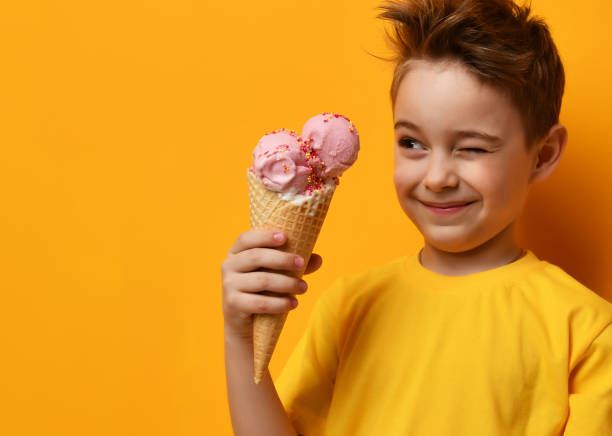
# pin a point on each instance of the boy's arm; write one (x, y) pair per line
(255, 409)
(590, 390)
(255, 264)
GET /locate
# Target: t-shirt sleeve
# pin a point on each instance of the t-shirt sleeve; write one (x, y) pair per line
(306, 383)
(590, 390)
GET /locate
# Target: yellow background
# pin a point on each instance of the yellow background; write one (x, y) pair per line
(126, 128)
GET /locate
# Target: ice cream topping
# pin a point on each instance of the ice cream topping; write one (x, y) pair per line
(289, 163)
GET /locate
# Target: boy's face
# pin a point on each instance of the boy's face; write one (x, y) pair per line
(444, 158)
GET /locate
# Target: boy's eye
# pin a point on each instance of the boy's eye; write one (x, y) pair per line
(409, 143)
(474, 150)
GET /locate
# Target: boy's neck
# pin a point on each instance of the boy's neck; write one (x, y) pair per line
(498, 251)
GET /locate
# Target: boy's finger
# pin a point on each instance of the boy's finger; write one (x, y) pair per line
(257, 238)
(270, 258)
(257, 303)
(314, 263)
(266, 281)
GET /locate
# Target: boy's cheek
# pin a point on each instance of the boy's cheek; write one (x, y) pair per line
(486, 179)
(405, 174)
(398, 178)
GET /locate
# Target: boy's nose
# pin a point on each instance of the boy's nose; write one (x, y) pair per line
(440, 173)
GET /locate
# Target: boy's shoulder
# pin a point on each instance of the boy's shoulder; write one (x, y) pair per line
(378, 273)
(359, 287)
(551, 284)
(580, 304)
(568, 289)
(570, 308)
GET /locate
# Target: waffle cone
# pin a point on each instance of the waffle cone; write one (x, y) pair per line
(301, 224)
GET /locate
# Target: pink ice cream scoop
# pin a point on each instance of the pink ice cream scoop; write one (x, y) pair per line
(278, 159)
(292, 164)
(335, 140)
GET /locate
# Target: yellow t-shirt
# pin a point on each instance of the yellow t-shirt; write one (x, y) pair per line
(523, 349)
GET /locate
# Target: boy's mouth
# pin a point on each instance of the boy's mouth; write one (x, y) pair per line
(446, 208)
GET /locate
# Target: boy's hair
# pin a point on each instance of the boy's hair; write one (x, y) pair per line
(495, 39)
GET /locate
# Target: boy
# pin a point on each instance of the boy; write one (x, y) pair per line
(473, 335)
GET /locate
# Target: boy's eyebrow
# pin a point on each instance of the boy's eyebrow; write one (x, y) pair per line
(461, 134)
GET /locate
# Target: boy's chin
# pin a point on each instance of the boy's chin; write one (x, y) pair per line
(452, 243)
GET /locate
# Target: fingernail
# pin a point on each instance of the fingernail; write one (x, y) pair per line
(294, 302)
(278, 236)
(303, 285)
(299, 262)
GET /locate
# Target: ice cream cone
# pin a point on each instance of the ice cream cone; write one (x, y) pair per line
(301, 223)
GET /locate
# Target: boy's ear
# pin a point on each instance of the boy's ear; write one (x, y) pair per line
(548, 154)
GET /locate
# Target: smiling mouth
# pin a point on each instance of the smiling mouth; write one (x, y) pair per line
(446, 208)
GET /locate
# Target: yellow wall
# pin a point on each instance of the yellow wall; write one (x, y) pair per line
(125, 130)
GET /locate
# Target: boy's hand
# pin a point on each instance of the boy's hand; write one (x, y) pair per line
(243, 278)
